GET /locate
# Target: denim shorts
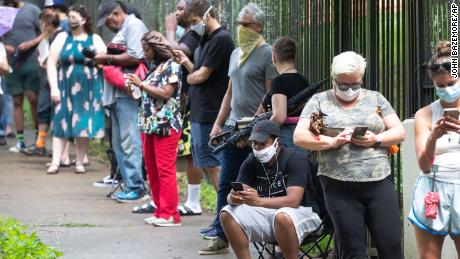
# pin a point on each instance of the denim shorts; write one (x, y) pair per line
(202, 155)
(447, 221)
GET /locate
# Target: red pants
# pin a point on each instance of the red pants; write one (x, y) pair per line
(160, 155)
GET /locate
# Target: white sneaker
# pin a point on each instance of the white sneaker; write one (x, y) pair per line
(161, 222)
(18, 147)
(150, 220)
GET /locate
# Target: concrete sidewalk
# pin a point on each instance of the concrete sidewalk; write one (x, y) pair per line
(70, 214)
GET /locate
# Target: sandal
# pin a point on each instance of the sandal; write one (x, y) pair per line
(52, 169)
(146, 208)
(80, 169)
(186, 211)
(74, 162)
(61, 164)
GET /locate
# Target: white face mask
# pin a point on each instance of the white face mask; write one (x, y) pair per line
(201, 26)
(266, 154)
(348, 95)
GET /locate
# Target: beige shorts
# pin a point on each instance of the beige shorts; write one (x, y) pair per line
(259, 223)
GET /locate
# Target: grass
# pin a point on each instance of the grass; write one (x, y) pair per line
(16, 243)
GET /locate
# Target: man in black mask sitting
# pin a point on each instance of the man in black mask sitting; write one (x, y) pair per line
(273, 205)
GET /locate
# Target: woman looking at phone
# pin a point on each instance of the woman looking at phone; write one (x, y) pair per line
(437, 144)
(355, 172)
(161, 122)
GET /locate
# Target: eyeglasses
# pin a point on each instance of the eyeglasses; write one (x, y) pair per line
(345, 87)
(436, 67)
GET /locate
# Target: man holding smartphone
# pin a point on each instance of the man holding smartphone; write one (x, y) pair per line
(273, 205)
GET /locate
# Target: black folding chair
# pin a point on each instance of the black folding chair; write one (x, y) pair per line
(311, 243)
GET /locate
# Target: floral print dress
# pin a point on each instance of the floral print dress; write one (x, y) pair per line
(158, 116)
(80, 112)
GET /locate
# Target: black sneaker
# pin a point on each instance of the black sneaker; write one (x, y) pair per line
(34, 151)
(105, 182)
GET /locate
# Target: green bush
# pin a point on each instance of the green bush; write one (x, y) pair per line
(16, 243)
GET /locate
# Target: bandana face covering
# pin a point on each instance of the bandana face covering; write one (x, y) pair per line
(248, 40)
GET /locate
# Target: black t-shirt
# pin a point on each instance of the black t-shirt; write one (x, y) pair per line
(297, 173)
(191, 40)
(288, 84)
(214, 52)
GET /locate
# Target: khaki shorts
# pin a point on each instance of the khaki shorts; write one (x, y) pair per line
(259, 223)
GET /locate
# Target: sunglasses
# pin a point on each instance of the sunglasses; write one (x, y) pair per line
(436, 67)
(245, 24)
(344, 87)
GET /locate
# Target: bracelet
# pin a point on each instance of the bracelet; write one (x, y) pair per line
(142, 85)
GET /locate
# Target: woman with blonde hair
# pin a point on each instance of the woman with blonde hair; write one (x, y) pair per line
(354, 169)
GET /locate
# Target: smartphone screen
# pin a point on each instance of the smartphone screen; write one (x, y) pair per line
(359, 132)
(237, 186)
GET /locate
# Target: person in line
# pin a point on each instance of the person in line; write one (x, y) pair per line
(187, 43)
(76, 89)
(437, 145)
(208, 80)
(126, 139)
(49, 20)
(20, 44)
(250, 73)
(273, 205)
(61, 9)
(354, 170)
(4, 70)
(161, 122)
(287, 84)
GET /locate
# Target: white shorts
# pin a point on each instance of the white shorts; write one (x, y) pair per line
(259, 223)
(447, 221)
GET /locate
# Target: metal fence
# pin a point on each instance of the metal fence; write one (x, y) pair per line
(396, 37)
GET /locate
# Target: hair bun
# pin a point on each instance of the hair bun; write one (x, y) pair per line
(443, 49)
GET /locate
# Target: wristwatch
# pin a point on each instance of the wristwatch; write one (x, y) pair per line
(377, 143)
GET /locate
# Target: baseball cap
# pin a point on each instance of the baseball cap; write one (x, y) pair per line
(50, 3)
(103, 10)
(264, 129)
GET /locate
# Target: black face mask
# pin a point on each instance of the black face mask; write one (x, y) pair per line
(74, 25)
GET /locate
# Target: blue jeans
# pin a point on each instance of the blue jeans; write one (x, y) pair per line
(6, 114)
(126, 142)
(232, 159)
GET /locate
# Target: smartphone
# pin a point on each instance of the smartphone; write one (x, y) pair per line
(359, 132)
(452, 112)
(237, 186)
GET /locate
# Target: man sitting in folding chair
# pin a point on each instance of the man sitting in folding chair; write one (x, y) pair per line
(272, 204)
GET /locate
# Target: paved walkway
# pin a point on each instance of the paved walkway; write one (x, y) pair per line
(70, 214)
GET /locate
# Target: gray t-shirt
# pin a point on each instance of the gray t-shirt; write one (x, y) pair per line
(26, 27)
(248, 81)
(130, 35)
(349, 162)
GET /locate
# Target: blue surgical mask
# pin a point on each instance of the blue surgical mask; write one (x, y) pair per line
(448, 94)
(179, 32)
